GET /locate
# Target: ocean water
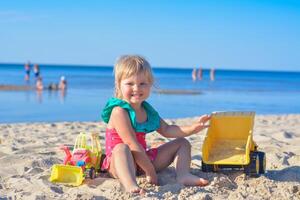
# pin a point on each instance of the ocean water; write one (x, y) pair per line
(89, 87)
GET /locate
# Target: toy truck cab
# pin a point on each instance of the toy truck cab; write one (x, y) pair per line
(229, 144)
(88, 151)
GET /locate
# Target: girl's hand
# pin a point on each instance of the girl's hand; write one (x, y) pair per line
(200, 123)
(152, 178)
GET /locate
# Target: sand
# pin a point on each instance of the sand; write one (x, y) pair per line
(28, 150)
(15, 87)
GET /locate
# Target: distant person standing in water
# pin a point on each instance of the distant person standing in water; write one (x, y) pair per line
(199, 74)
(62, 87)
(39, 84)
(36, 70)
(27, 71)
(212, 74)
(194, 74)
(62, 83)
(39, 89)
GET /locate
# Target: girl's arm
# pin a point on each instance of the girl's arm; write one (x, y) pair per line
(174, 131)
(121, 122)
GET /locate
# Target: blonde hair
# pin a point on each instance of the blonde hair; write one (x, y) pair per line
(129, 65)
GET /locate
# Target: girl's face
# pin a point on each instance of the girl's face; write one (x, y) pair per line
(135, 89)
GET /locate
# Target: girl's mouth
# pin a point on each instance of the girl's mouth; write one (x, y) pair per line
(136, 95)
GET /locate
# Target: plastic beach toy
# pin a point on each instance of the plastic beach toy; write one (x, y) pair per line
(84, 160)
(67, 174)
(229, 144)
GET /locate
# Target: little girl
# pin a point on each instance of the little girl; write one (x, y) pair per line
(129, 118)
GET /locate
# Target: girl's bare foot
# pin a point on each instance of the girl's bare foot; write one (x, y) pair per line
(191, 180)
(135, 190)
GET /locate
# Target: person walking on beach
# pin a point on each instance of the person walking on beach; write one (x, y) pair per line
(36, 70)
(27, 71)
(130, 117)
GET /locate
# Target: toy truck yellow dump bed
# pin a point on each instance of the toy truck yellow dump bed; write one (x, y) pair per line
(66, 174)
(229, 139)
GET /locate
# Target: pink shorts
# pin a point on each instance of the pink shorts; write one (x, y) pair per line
(112, 138)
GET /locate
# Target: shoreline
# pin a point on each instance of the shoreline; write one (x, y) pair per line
(167, 119)
(16, 87)
(28, 150)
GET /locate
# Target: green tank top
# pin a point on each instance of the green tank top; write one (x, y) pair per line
(153, 119)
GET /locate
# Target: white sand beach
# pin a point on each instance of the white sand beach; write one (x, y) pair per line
(28, 150)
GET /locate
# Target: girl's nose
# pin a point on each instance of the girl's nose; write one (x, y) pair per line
(135, 87)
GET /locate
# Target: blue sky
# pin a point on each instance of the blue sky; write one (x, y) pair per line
(263, 35)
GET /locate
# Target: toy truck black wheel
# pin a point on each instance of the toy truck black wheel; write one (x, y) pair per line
(92, 173)
(262, 162)
(252, 169)
(102, 157)
(207, 167)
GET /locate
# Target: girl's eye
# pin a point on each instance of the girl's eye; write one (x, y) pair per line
(143, 83)
(129, 83)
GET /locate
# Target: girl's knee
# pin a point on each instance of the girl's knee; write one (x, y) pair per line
(184, 142)
(121, 148)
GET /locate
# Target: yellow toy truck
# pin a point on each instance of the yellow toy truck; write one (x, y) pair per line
(84, 160)
(229, 144)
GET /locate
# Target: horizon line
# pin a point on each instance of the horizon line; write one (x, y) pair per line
(154, 67)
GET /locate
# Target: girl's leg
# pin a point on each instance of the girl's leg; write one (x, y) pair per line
(178, 150)
(122, 166)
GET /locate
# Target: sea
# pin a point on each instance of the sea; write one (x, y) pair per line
(89, 88)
